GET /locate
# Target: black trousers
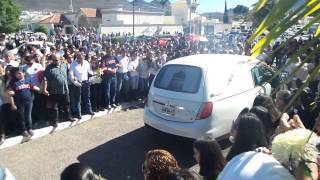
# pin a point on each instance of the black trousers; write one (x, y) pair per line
(8, 122)
(97, 95)
(39, 108)
(59, 101)
(2, 123)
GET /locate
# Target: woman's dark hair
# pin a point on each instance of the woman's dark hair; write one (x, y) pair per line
(267, 102)
(284, 95)
(236, 121)
(182, 174)
(78, 171)
(263, 114)
(250, 135)
(12, 71)
(212, 160)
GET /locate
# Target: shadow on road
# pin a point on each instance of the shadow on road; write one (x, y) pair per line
(121, 158)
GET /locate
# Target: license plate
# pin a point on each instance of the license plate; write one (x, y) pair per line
(168, 110)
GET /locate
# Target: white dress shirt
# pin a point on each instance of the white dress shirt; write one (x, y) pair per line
(79, 72)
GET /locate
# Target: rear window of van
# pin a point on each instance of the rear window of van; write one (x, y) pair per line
(179, 78)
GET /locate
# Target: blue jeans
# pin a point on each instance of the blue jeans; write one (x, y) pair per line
(151, 77)
(24, 111)
(143, 85)
(122, 86)
(134, 82)
(110, 88)
(81, 95)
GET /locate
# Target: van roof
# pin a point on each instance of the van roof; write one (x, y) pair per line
(212, 60)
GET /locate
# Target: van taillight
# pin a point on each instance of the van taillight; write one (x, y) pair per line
(205, 111)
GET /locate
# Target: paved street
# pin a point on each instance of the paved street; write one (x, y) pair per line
(114, 146)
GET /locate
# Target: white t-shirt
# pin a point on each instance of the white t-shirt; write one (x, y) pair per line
(254, 166)
(124, 62)
(12, 63)
(32, 73)
(133, 66)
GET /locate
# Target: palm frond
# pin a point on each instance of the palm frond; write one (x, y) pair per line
(314, 74)
(318, 31)
(283, 25)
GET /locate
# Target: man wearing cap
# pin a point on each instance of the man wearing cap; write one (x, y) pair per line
(56, 87)
(79, 73)
(109, 66)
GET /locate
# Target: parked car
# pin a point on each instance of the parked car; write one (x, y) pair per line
(28, 45)
(40, 35)
(202, 94)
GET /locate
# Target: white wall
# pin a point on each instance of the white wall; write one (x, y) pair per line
(141, 29)
(118, 18)
(222, 27)
(110, 19)
(180, 11)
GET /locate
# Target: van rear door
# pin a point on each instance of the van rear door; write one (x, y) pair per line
(177, 92)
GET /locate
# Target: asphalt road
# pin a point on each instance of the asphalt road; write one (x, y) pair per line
(114, 146)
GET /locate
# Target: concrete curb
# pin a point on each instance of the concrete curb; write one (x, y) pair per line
(64, 125)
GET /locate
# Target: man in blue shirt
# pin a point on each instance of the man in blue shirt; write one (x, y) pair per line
(56, 87)
(109, 66)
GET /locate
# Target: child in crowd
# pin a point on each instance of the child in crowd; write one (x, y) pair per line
(22, 101)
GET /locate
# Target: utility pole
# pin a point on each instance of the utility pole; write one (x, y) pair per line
(71, 5)
(133, 14)
(190, 20)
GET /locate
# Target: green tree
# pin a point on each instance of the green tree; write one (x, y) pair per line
(41, 28)
(9, 16)
(241, 10)
(282, 16)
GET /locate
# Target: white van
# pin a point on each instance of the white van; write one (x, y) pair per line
(202, 94)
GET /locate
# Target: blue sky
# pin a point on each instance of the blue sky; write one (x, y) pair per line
(218, 5)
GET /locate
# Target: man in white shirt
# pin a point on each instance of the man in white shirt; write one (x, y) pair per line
(79, 73)
(134, 74)
(32, 69)
(9, 59)
(122, 76)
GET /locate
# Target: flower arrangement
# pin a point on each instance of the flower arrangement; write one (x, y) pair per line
(295, 147)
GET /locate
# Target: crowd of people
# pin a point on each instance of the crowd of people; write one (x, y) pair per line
(44, 85)
(251, 156)
(63, 82)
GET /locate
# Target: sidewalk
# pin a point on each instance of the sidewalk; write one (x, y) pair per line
(64, 125)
